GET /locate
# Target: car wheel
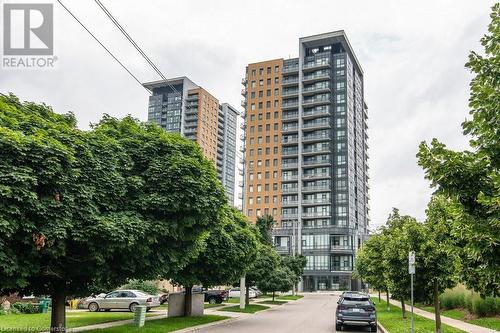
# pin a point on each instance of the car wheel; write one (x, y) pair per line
(374, 328)
(212, 300)
(132, 306)
(148, 309)
(107, 310)
(338, 327)
(94, 307)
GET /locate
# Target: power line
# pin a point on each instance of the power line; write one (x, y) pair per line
(134, 44)
(102, 45)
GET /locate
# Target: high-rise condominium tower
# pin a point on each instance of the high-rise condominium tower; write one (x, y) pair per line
(306, 156)
(180, 105)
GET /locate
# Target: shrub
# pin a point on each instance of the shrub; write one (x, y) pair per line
(147, 286)
(483, 306)
(25, 307)
(453, 298)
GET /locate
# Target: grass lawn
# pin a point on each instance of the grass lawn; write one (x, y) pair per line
(273, 302)
(208, 305)
(41, 321)
(251, 308)
(162, 325)
(462, 314)
(290, 297)
(393, 321)
(233, 300)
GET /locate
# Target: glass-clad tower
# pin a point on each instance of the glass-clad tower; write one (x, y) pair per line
(322, 210)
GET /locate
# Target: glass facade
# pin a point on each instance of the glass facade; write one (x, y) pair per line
(324, 177)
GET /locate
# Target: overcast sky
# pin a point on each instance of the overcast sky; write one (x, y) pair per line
(412, 53)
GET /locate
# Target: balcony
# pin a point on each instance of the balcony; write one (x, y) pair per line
(317, 64)
(290, 116)
(290, 69)
(244, 92)
(317, 162)
(317, 124)
(317, 176)
(315, 89)
(244, 103)
(191, 118)
(289, 152)
(316, 150)
(289, 216)
(341, 248)
(317, 100)
(316, 188)
(289, 178)
(290, 203)
(290, 105)
(282, 249)
(289, 140)
(316, 76)
(316, 112)
(316, 201)
(287, 93)
(312, 138)
(290, 190)
(290, 81)
(289, 128)
(316, 214)
(289, 166)
(341, 269)
(244, 81)
(190, 130)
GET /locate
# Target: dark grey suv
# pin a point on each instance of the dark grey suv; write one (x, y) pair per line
(355, 310)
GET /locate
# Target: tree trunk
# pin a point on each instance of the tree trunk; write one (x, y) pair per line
(437, 309)
(387, 296)
(188, 302)
(247, 294)
(58, 313)
(293, 289)
(403, 308)
(379, 298)
(273, 296)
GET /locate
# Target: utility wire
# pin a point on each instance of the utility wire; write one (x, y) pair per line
(102, 45)
(134, 44)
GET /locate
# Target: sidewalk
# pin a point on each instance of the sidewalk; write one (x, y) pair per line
(469, 328)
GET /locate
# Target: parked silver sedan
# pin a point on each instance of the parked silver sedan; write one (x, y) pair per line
(122, 299)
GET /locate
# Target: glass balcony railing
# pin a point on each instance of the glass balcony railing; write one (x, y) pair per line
(317, 188)
(287, 152)
(290, 68)
(318, 161)
(290, 104)
(289, 140)
(312, 124)
(289, 165)
(316, 137)
(290, 92)
(341, 268)
(316, 214)
(290, 80)
(316, 201)
(290, 189)
(289, 128)
(317, 150)
(317, 111)
(290, 115)
(317, 175)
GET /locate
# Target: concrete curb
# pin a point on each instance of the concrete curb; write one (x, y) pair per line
(382, 328)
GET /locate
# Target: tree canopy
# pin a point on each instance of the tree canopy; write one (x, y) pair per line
(472, 177)
(82, 211)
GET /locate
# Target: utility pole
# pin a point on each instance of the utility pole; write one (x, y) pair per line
(411, 270)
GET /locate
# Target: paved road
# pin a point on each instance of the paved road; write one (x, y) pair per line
(313, 314)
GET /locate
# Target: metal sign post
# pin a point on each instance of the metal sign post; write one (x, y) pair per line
(411, 270)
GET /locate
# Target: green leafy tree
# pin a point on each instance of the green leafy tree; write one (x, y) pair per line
(370, 266)
(403, 234)
(438, 252)
(229, 251)
(267, 261)
(296, 265)
(279, 279)
(265, 225)
(83, 211)
(473, 177)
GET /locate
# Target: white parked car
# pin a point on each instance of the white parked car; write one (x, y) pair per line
(235, 293)
(122, 299)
